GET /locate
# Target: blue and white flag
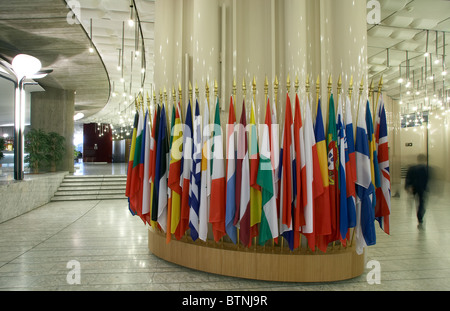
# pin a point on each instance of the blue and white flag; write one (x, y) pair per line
(365, 216)
(195, 178)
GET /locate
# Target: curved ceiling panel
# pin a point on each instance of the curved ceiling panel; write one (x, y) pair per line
(41, 28)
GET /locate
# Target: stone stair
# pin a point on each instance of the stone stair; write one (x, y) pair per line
(91, 187)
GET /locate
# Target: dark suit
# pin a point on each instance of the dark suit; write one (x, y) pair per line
(417, 181)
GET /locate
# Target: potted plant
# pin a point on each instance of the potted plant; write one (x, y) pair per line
(55, 149)
(35, 146)
(2, 147)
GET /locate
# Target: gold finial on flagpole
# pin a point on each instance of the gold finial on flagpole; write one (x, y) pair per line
(339, 85)
(174, 96)
(361, 87)
(288, 84)
(207, 92)
(160, 97)
(154, 98)
(275, 87)
(216, 90)
(371, 89)
(148, 102)
(380, 86)
(317, 90)
(254, 89)
(266, 90)
(165, 97)
(196, 91)
(375, 105)
(190, 91)
(234, 89)
(350, 88)
(330, 86)
(296, 84)
(307, 86)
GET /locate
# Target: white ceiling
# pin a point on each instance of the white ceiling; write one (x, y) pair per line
(109, 19)
(402, 33)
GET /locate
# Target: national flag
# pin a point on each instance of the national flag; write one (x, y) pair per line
(169, 190)
(195, 178)
(231, 175)
(242, 216)
(374, 170)
(146, 178)
(205, 186)
(350, 165)
(255, 189)
(275, 156)
(161, 171)
(138, 168)
(153, 148)
(383, 192)
(365, 216)
(333, 177)
(269, 225)
(314, 186)
(130, 162)
(302, 218)
(218, 183)
(342, 152)
(287, 156)
(176, 152)
(322, 203)
(186, 164)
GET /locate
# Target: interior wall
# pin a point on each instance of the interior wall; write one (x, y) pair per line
(438, 147)
(95, 148)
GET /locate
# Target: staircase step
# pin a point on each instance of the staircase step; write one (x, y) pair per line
(89, 192)
(81, 184)
(91, 187)
(84, 187)
(88, 197)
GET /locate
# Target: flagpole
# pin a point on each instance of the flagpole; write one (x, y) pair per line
(380, 85)
(275, 90)
(307, 87)
(339, 90)
(276, 95)
(234, 101)
(361, 89)
(180, 94)
(317, 92)
(350, 88)
(296, 86)
(196, 91)
(254, 103)
(329, 87)
(207, 92)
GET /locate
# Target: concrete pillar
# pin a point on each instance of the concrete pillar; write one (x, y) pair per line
(260, 38)
(53, 111)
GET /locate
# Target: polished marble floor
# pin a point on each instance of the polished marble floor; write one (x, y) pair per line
(109, 246)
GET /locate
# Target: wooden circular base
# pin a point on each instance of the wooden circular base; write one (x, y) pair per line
(269, 264)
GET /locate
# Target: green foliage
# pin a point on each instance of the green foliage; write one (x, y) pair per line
(43, 149)
(35, 146)
(55, 149)
(2, 147)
